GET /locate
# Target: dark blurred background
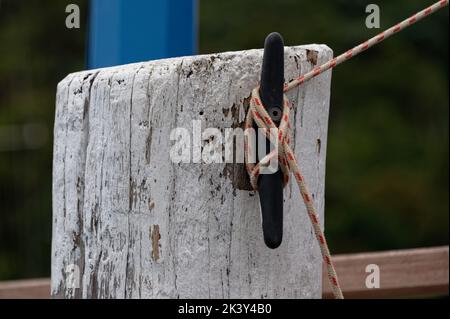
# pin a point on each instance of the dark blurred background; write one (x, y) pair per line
(387, 165)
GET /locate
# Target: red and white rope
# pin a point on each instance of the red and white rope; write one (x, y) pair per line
(365, 45)
(286, 158)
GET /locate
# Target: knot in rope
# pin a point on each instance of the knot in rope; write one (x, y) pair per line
(279, 136)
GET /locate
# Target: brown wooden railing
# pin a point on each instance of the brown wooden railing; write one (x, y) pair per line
(403, 273)
(419, 272)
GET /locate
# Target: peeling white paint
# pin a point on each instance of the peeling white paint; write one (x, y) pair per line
(113, 183)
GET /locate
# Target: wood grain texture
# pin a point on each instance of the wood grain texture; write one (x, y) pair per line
(405, 273)
(136, 225)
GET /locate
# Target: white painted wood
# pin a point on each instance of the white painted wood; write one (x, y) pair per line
(135, 225)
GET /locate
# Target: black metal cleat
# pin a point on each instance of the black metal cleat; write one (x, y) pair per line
(270, 186)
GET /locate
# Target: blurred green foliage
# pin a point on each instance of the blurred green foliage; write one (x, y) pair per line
(387, 163)
(36, 52)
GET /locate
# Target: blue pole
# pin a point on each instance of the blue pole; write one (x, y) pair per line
(127, 31)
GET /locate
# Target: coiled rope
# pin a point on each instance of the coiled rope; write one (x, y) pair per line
(286, 158)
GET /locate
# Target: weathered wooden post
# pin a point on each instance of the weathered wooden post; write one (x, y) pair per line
(129, 223)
